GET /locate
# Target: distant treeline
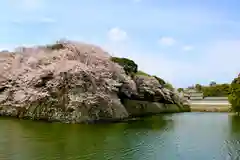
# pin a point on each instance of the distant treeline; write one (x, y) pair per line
(212, 90)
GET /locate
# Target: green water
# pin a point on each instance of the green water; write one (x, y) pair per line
(184, 136)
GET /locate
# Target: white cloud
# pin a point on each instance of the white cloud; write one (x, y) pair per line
(117, 34)
(188, 48)
(218, 61)
(167, 41)
(168, 69)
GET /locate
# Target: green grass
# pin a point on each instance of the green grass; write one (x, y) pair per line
(142, 73)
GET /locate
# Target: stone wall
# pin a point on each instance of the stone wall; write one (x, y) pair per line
(140, 108)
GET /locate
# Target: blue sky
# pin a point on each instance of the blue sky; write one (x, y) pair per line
(185, 42)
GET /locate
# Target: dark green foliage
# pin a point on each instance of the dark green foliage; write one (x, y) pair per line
(234, 96)
(131, 68)
(160, 80)
(212, 83)
(169, 86)
(198, 87)
(56, 46)
(180, 90)
(128, 65)
(213, 90)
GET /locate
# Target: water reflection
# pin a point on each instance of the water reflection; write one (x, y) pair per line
(233, 142)
(180, 136)
(234, 123)
(64, 141)
(151, 123)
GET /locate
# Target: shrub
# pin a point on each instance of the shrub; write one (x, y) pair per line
(56, 46)
(234, 95)
(169, 86)
(128, 65)
(180, 89)
(142, 73)
(160, 80)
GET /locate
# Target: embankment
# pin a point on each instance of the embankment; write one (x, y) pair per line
(209, 108)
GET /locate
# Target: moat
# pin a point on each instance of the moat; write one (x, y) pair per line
(179, 136)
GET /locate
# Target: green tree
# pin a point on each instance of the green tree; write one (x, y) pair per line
(198, 87)
(180, 90)
(212, 83)
(234, 95)
(128, 65)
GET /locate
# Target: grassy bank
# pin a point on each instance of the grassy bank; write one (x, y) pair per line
(210, 108)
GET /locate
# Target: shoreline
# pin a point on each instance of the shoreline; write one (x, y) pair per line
(210, 108)
(131, 118)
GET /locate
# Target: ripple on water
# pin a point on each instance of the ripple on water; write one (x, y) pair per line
(184, 136)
